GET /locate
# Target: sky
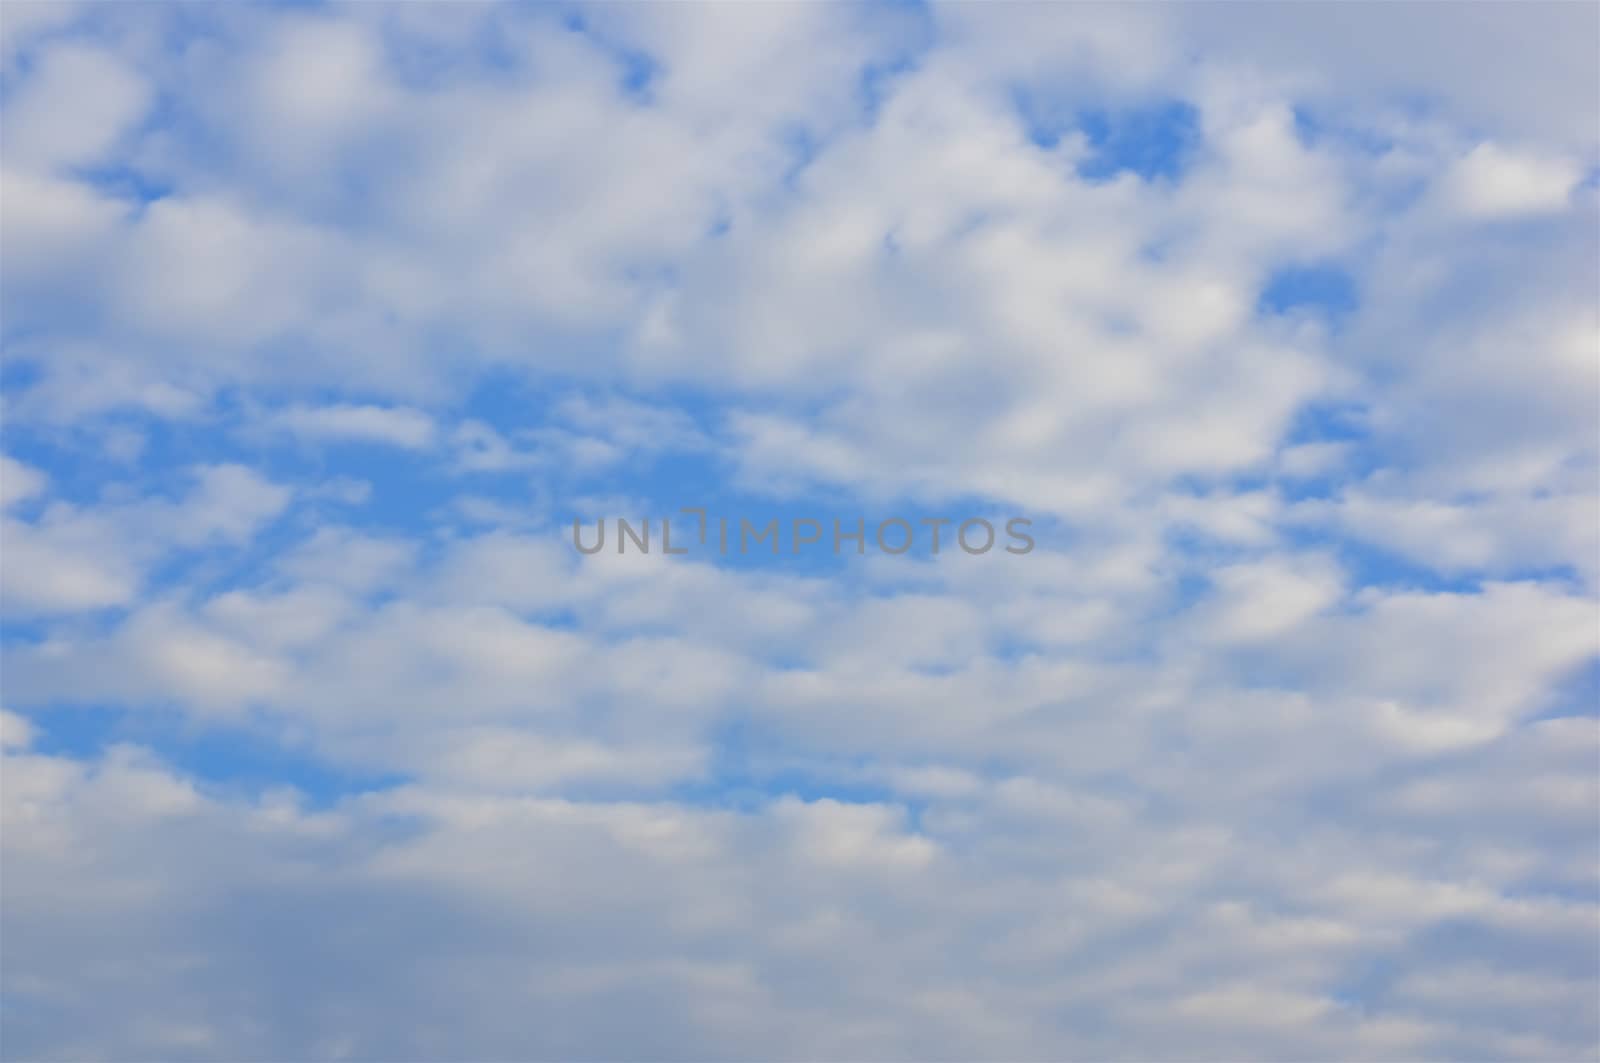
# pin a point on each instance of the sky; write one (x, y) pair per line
(321, 325)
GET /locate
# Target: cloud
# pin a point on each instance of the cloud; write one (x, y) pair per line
(77, 103)
(18, 482)
(15, 731)
(833, 910)
(72, 558)
(1493, 183)
(322, 741)
(394, 426)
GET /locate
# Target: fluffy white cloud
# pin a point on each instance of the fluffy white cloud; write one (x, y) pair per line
(841, 930)
(1280, 745)
(76, 103)
(72, 558)
(18, 481)
(1493, 183)
(395, 426)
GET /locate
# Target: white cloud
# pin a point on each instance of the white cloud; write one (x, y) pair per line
(73, 558)
(75, 104)
(1217, 771)
(75, 568)
(395, 426)
(24, 23)
(18, 482)
(15, 732)
(838, 911)
(1491, 182)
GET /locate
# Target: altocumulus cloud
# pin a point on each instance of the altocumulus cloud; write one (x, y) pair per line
(322, 325)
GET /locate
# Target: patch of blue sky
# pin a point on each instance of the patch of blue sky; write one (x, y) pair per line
(916, 34)
(662, 483)
(237, 758)
(1366, 982)
(876, 83)
(1158, 141)
(1339, 423)
(1465, 940)
(751, 768)
(1153, 141)
(1329, 420)
(638, 72)
(77, 475)
(134, 185)
(421, 64)
(410, 494)
(1324, 288)
(737, 783)
(1578, 695)
(802, 147)
(1186, 585)
(1045, 118)
(413, 492)
(1369, 564)
(1316, 128)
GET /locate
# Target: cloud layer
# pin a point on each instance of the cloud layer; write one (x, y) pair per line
(321, 325)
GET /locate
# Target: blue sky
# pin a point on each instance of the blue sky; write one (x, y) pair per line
(321, 325)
